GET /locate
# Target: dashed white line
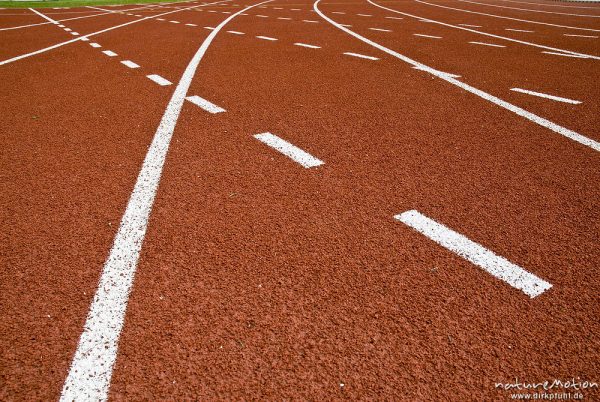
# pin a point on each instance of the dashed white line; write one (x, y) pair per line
(162, 19)
(437, 72)
(380, 29)
(191, 25)
(284, 18)
(209, 28)
(314, 22)
(394, 18)
(486, 44)
(130, 64)
(581, 36)
(204, 104)
(518, 30)
(338, 12)
(295, 9)
(61, 26)
(68, 29)
(362, 56)
(85, 40)
(262, 16)
(109, 53)
(94, 44)
(159, 80)
(428, 36)
(175, 22)
(364, 15)
(495, 265)
(266, 38)
(306, 45)
(236, 32)
(567, 55)
(75, 33)
(289, 150)
(542, 95)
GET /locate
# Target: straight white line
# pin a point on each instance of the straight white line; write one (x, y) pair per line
(486, 44)
(438, 72)
(289, 150)
(308, 46)
(542, 95)
(85, 40)
(362, 56)
(314, 22)
(236, 32)
(191, 25)
(581, 36)
(469, 25)
(284, 18)
(130, 64)
(209, 28)
(159, 80)
(295, 9)
(338, 12)
(265, 37)
(487, 260)
(380, 29)
(262, 16)
(394, 18)
(428, 36)
(346, 25)
(588, 142)
(364, 15)
(109, 53)
(567, 55)
(94, 44)
(518, 30)
(175, 22)
(529, 10)
(204, 104)
(91, 370)
(160, 19)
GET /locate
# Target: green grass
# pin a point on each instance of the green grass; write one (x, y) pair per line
(72, 3)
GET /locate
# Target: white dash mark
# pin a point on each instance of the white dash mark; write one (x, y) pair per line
(295, 9)
(567, 55)
(487, 44)
(314, 22)
(204, 104)
(160, 19)
(191, 25)
(109, 53)
(61, 26)
(85, 39)
(209, 28)
(380, 29)
(175, 22)
(68, 29)
(362, 56)
(308, 46)
(469, 25)
(284, 18)
(495, 265)
(262, 16)
(428, 36)
(265, 38)
(542, 95)
(346, 25)
(75, 33)
(277, 8)
(130, 64)
(94, 44)
(364, 15)
(289, 150)
(159, 80)
(436, 72)
(337, 12)
(581, 36)
(518, 30)
(394, 18)
(236, 32)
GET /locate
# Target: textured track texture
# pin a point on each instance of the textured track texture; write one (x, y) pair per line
(299, 200)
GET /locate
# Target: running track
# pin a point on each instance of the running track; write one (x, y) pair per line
(421, 223)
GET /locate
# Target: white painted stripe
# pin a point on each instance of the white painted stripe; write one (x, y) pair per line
(588, 142)
(284, 18)
(209, 28)
(94, 44)
(162, 19)
(364, 15)
(380, 29)
(91, 370)
(542, 95)
(61, 26)
(295, 9)
(308, 46)
(428, 36)
(68, 29)
(438, 72)
(495, 265)
(265, 37)
(518, 30)
(236, 32)
(337, 12)
(85, 40)
(75, 33)
(289, 150)
(277, 8)
(109, 53)
(487, 44)
(567, 55)
(175, 22)
(469, 25)
(159, 80)
(262, 16)
(204, 104)
(191, 25)
(582, 36)
(394, 18)
(130, 64)
(528, 9)
(362, 56)
(314, 22)
(346, 25)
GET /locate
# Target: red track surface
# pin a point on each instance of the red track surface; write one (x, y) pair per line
(259, 279)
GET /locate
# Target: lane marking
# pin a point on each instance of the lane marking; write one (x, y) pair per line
(338, 12)
(61, 26)
(68, 29)
(191, 25)
(289, 150)
(518, 30)
(485, 259)
(364, 15)
(130, 64)
(529, 10)
(486, 44)
(306, 45)
(265, 38)
(428, 36)
(159, 80)
(236, 32)
(583, 140)
(91, 369)
(85, 40)
(204, 104)
(567, 55)
(314, 22)
(581, 36)
(437, 72)
(362, 56)
(175, 22)
(284, 18)
(75, 33)
(469, 25)
(109, 53)
(262, 16)
(542, 95)
(94, 44)
(380, 29)
(394, 18)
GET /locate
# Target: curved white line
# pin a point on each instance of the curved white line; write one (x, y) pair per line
(550, 5)
(91, 370)
(507, 18)
(526, 9)
(595, 145)
(23, 56)
(583, 55)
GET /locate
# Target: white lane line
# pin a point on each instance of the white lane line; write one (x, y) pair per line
(236, 32)
(191, 25)
(75, 33)
(565, 132)
(428, 36)
(68, 29)
(306, 45)
(262, 16)
(284, 18)
(362, 56)
(109, 53)
(61, 26)
(346, 25)
(380, 29)
(364, 15)
(486, 44)
(85, 40)
(338, 12)
(486, 259)
(289, 150)
(204, 104)
(438, 72)
(394, 18)
(209, 28)
(567, 55)
(130, 64)
(265, 38)
(295, 9)
(160, 19)
(581, 36)
(314, 22)
(159, 80)
(529, 10)
(518, 30)
(277, 8)
(94, 44)
(175, 22)
(470, 26)
(91, 369)
(542, 95)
